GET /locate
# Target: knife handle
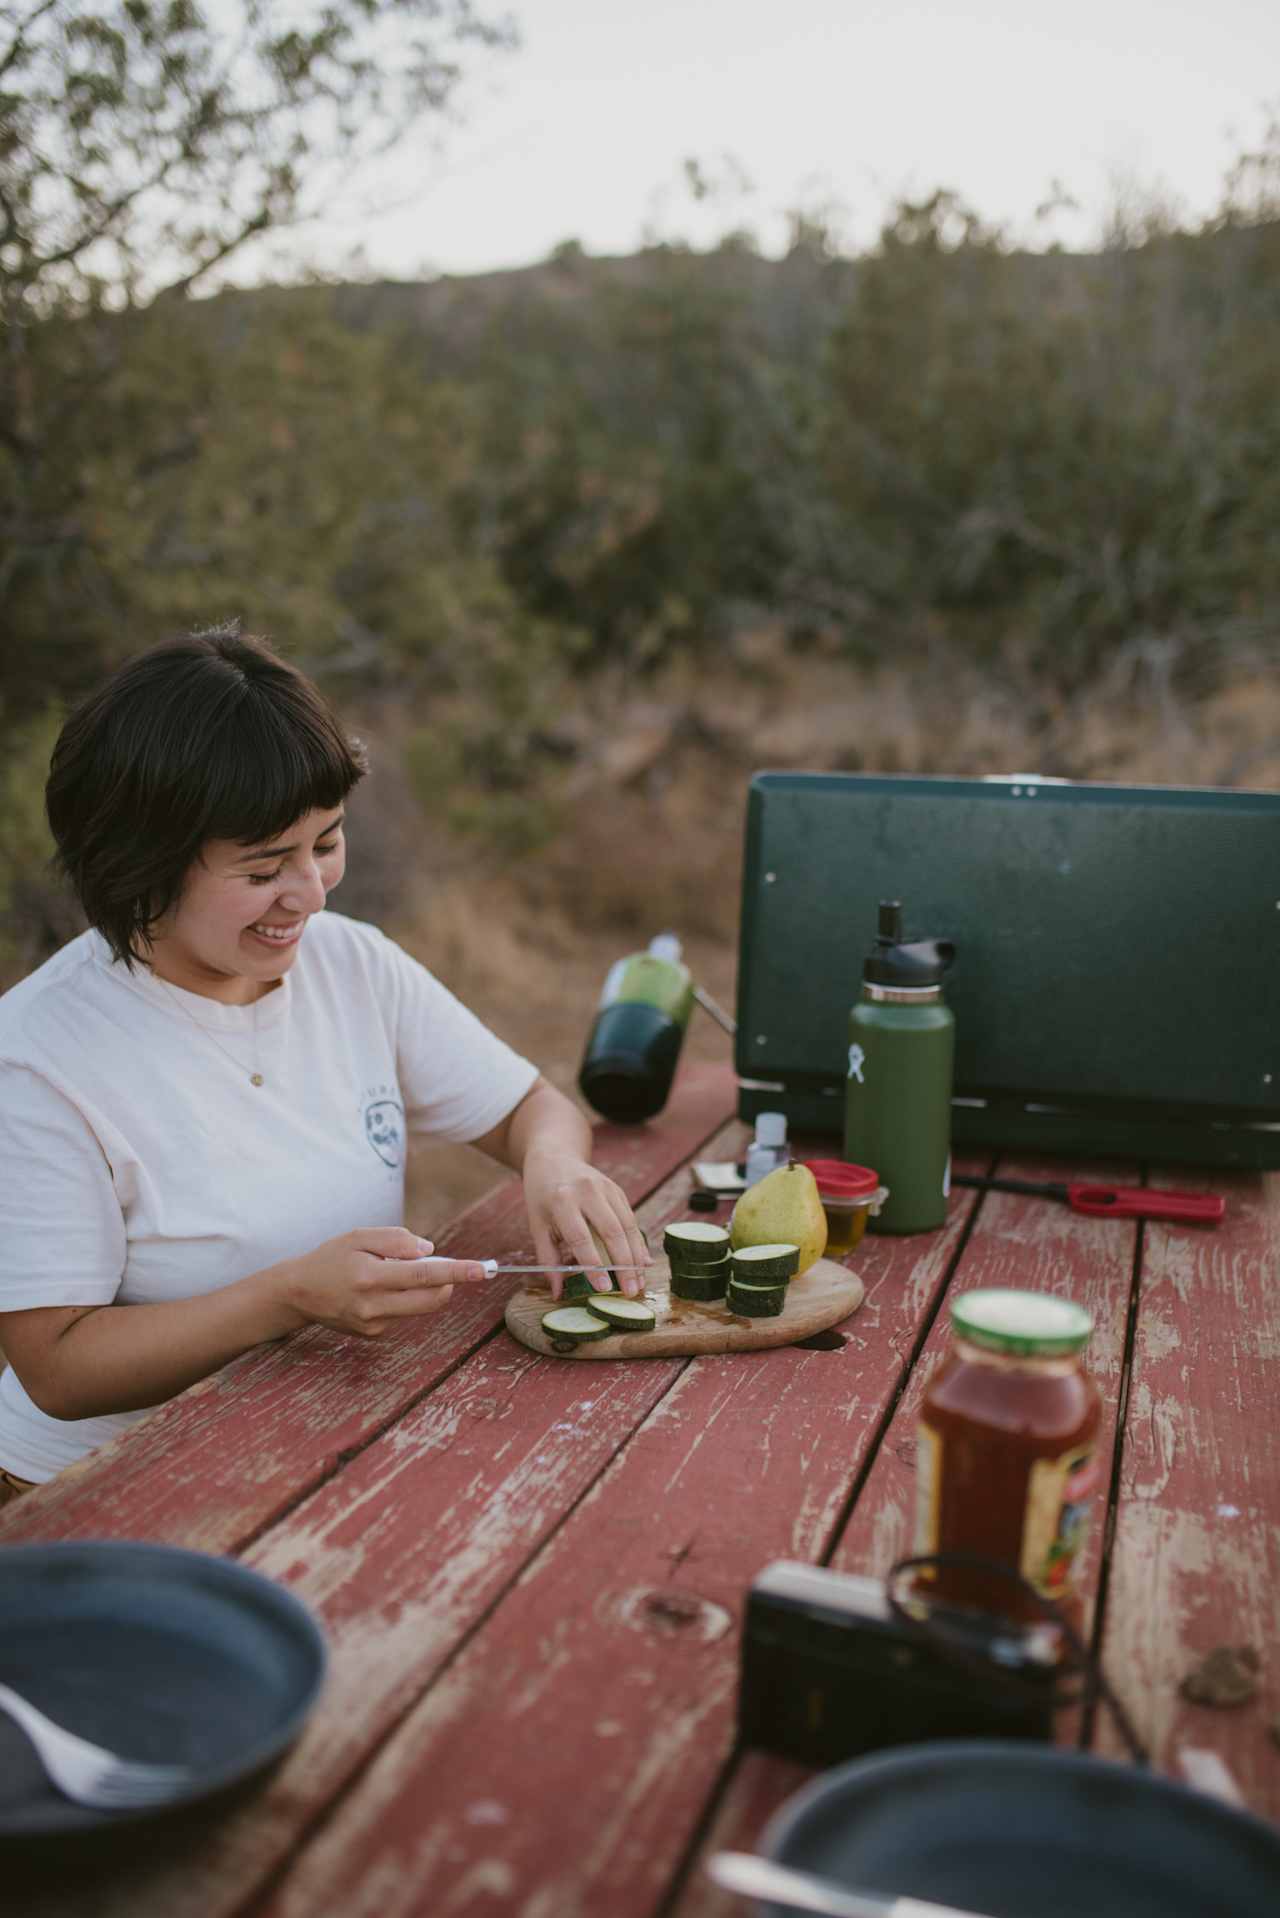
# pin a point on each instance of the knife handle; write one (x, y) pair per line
(1142, 1202)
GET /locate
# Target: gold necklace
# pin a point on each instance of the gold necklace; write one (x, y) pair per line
(255, 1077)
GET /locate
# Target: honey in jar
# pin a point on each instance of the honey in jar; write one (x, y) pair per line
(1005, 1461)
(848, 1192)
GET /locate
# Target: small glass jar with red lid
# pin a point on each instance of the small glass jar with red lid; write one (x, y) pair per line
(1006, 1459)
(849, 1193)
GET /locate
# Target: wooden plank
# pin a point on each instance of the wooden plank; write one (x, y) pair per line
(760, 1782)
(214, 1466)
(1037, 1245)
(1196, 1559)
(1031, 1243)
(825, 1296)
(400, 1555)
(559, 1765)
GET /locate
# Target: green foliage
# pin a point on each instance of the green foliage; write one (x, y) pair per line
(623, 458)
(150, 131)
(35, 912)
(142, 143)
(1084, 450)
(458, 497)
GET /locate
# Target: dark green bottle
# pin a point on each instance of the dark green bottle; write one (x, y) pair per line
(635, 1039)
(898, 1088)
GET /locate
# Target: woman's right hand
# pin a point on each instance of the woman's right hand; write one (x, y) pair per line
(364, 1281)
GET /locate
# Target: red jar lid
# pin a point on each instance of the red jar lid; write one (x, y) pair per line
(840, 1179)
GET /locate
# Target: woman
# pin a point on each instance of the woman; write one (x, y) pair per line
(204, 1098)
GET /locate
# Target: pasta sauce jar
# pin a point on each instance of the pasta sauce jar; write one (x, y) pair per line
(1005, 1461)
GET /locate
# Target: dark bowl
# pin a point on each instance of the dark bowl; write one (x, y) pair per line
(1027, 1831)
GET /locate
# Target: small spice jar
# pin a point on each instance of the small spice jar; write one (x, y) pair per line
(1005, 1454)
(849, 1193)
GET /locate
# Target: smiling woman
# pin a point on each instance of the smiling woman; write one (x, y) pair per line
(204, 1099)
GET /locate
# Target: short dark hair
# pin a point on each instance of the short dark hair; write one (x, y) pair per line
(212, 736)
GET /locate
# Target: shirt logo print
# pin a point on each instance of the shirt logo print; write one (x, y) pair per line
(384, 1129)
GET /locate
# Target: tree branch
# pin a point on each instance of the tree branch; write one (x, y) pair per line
(178, 288)
(18, 43)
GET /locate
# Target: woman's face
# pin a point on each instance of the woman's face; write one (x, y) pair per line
(243, 910)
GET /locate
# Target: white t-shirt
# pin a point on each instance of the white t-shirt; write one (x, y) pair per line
(138, 1162)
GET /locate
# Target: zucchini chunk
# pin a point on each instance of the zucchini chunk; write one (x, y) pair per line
(756, 1301)
(701, 1282)
(578, 1286)
(624, 1315)
(695, 1241)
(575, 1323)
(762, 1262)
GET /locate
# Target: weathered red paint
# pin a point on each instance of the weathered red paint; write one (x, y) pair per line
(215, 1466)
(1196, 1560)
(582, 1728)
(532, 1574)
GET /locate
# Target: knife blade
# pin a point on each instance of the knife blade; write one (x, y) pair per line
(492, 1267)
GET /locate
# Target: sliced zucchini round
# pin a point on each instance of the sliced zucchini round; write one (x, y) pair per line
(681, 1262)
(624, 1315)
(760, 1262)
(700, 1281)
(574, 1323)
(756, 1301)
(696, 1241)
(578, 1286)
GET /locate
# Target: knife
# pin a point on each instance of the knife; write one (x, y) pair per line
(1112, 1201)
(491, 1268)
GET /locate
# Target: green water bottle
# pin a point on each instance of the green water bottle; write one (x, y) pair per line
(897, 1114)
(635, 1040)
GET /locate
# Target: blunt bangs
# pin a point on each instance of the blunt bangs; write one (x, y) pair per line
(265, 764)
(209, 737)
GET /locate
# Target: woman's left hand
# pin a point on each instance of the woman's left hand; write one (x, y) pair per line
(569, 1200)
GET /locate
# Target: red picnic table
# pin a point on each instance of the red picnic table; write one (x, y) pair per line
(531, 1571)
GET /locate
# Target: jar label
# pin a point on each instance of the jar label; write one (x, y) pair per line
(1056, 1520)
(928, 1488)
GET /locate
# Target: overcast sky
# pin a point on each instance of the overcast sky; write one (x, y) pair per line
(839, 103)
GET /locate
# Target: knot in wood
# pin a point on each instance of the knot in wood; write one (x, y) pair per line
(670, 1612)
(1228, 1675)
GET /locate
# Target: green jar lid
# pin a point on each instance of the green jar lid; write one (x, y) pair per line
(1031, 1324)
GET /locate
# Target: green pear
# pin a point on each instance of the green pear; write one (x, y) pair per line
(783, 1209)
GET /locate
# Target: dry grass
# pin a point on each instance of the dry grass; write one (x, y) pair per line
(654, 806)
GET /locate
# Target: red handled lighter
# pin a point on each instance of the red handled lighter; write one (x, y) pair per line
(1113, 1201)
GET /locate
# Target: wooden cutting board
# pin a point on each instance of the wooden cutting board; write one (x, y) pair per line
(825, 1294)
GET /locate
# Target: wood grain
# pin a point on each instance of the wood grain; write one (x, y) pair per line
(759, 1784)
(400, 1554)
(558, 1766)
(216, 1465)
(1019, 1241)
(1196, 1559)
(1037, 1245)
(823, 1297)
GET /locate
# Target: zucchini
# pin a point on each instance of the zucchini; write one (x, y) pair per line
(624, 1315)
(578, 1286)
(756, 1301)
(700, 1282)
(575, 1324)
(695, 1241)
(681, 1262)
(763, 1262)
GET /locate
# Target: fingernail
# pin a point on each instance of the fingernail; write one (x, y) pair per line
(425, 1245)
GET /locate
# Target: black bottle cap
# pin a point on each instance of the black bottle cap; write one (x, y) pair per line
(895, 962)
